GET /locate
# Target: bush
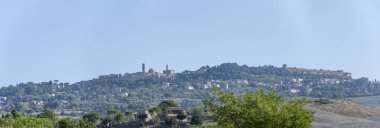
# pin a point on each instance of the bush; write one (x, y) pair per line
(259, 110)
(26, 122)
(323, 101)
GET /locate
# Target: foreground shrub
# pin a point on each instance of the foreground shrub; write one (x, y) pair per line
(259, 110)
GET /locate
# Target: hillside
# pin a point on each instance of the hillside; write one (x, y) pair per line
(145, 89)
(348, 108)
(324, 119)
(343, 114)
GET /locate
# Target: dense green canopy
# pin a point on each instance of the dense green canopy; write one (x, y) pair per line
(259, 110)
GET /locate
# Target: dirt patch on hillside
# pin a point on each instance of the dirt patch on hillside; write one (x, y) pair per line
(324, 119)
(348, 108)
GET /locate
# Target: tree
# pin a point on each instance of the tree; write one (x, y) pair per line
(26, 122)
(86, 124)
(167, 103)
(259, 110)
(142, 116)
(119, 118)
(170, 121)
(52, 105)
(16, 114)
(164, 105)
(181, 116)
(158, 111)
(112, 112)
(197, 116)
(47, 113)
(66, 123)
(107, 121)
(129, 115)
(92, 117)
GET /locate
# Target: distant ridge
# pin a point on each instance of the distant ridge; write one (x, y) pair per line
(147, 88)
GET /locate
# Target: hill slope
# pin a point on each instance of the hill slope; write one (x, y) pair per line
(324, 119)
(141, 90)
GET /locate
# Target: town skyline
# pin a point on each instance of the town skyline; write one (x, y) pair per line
(78, 40)
(146, 71)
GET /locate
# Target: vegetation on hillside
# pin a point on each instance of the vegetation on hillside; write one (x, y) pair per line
(133, 91)
(256, 109)
(259, 110)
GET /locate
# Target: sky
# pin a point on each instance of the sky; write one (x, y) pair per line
(74, 40)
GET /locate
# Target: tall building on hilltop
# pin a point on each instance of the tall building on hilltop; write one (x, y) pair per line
(143, 69)
(284, 66)
(168, 72)
(151, 71)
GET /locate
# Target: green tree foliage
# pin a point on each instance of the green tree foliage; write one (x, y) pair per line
(47, 113)
(181, 116)
(119, 118)
(112, 112)
(26, 122)
(197, 116)
(106, 121)
(171, 121)
(66, 123)
(142, 116)
(323, 101)
(162, 108)
(92, 117)
(16, 114)
(157, 110)
(17, 120)
(86, 124)
(129, 115)
(114, 117)
(259, 110)
(167, 103)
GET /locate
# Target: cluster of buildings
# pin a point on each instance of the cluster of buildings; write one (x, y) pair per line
(171, 112)
(151, 72)
(167, 73)
(340, 73)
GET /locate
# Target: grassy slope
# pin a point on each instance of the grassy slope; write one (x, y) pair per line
(373, 101)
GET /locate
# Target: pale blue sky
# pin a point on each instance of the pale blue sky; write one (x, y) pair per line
(73, 40)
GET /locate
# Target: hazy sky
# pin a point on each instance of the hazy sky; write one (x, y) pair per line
(73, 40)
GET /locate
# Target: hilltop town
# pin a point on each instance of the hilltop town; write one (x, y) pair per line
(134, 91)
(141, 92)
